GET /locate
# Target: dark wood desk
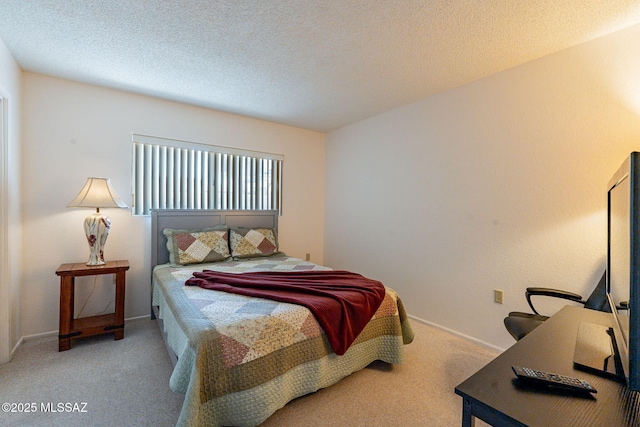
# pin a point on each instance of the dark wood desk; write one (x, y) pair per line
(494, 396)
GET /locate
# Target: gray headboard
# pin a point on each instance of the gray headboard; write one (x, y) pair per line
(179, 219)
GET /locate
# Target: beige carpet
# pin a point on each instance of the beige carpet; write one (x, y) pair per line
(125, 383)
(418, 393)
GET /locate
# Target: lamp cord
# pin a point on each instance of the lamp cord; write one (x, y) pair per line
(95, 279)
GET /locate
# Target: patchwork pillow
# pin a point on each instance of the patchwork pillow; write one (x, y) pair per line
(253, 242)
(197, 246)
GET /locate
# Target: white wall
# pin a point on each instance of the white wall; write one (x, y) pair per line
(73, 131)
(10, 237)
(497, 184)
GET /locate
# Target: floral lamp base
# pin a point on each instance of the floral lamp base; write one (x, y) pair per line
(96, 227)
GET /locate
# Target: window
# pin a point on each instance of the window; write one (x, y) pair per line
(169, 174)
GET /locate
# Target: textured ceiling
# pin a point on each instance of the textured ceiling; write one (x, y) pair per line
(317, 64)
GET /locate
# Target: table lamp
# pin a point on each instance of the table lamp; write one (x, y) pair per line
(97, 193)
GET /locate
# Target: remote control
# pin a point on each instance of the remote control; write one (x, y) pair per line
(552, 380)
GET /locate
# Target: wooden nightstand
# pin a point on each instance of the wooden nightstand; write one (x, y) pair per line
(94, 325)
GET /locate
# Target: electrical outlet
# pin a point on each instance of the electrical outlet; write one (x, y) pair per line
(498, 296)
(308, 257)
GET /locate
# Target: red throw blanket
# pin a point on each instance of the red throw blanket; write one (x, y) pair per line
(342, 302)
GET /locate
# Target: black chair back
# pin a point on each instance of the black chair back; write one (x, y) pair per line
(598, 299)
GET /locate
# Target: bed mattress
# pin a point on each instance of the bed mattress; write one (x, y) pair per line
(240, 359)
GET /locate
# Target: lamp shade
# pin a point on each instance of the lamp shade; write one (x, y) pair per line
(97, 193)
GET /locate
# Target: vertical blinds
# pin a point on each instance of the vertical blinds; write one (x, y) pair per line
(169, 174)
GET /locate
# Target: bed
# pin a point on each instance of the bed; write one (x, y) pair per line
(238, 359)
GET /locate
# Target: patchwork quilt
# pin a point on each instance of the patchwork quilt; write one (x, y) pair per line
(242, 358)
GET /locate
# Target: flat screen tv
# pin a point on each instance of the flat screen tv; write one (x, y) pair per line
(623, 265)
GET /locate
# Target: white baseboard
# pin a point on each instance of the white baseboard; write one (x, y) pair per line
(459, 334)
(40, 335)
(15, 348)
(52, 333)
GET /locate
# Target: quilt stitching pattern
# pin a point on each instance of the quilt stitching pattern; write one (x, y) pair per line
(251, 328)
(231, 391)
(255, 241)
(198, 247)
